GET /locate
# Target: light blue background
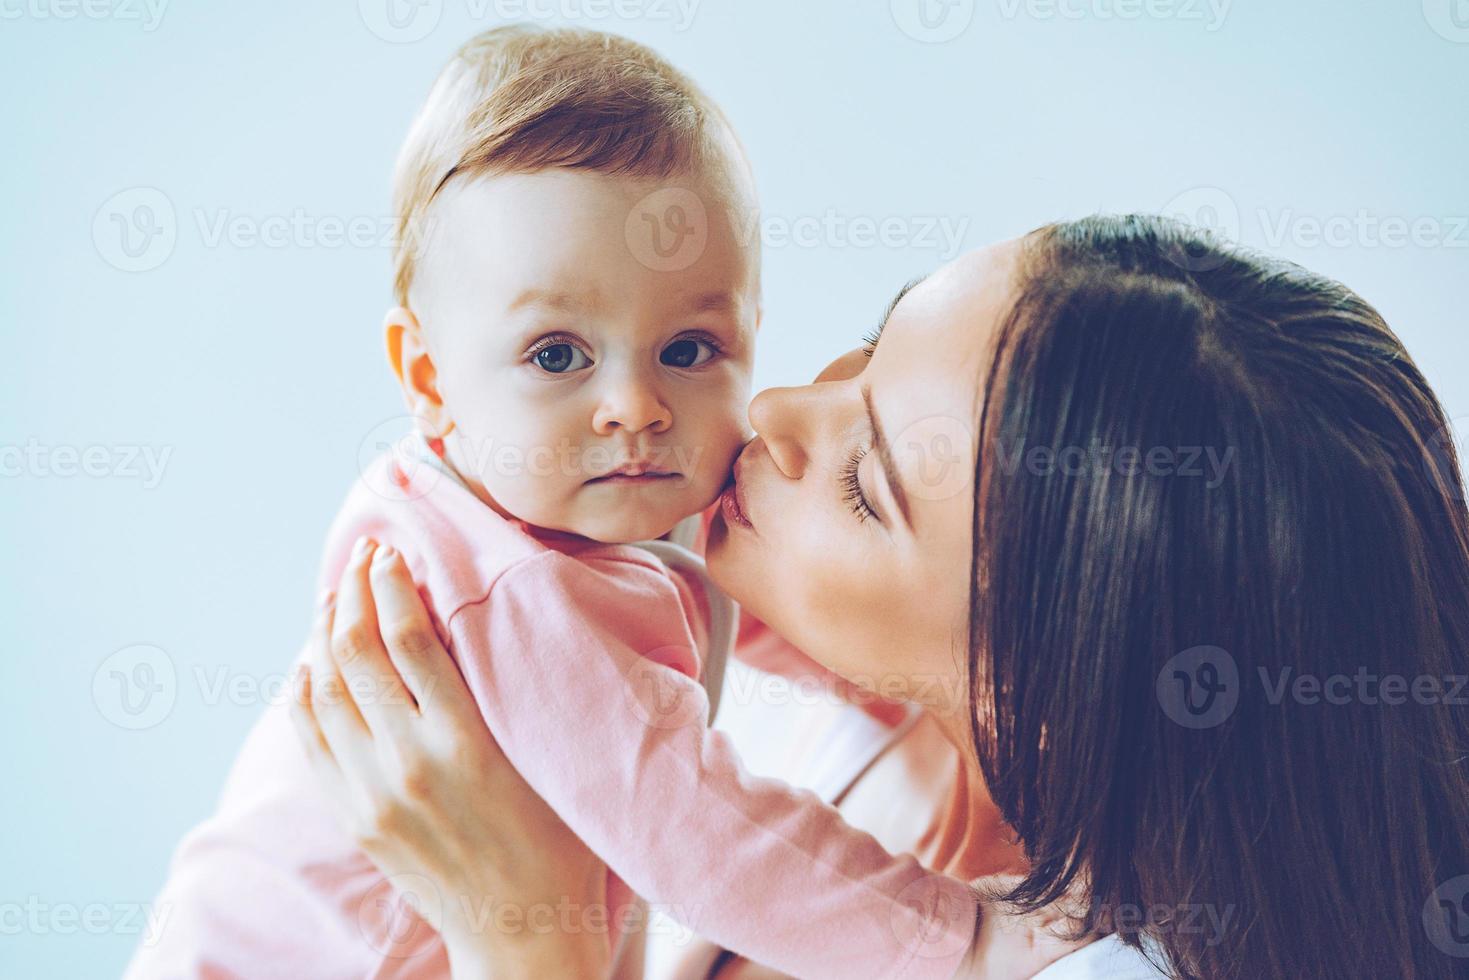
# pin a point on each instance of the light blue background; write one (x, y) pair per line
(259, 368)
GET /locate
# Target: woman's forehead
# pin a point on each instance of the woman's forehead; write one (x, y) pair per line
(943, 330)
(979, 283)
(926, 378)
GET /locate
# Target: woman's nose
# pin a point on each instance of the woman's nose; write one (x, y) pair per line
(632, 405)
(780, 417)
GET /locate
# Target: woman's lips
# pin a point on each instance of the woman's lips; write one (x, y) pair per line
(731, 504)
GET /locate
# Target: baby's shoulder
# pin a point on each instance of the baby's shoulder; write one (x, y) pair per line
(461, 551)
(455, 545)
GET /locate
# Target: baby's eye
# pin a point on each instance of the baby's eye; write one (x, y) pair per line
(560, 358)
(687, 353)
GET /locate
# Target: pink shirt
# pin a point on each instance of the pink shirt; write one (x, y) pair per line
(583, 659)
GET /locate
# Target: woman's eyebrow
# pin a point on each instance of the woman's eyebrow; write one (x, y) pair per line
(885, 456)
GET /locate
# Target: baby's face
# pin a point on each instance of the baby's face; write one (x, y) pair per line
(594, 385)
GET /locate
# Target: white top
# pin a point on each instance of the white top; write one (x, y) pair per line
(1106, 959)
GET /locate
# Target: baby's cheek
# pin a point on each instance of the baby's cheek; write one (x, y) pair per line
(713, 442)
(531, 474)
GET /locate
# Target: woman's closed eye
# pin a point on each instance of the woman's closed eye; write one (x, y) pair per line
(851, 485)
(870, 339)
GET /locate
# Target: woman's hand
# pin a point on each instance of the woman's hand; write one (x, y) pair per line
(395, 737)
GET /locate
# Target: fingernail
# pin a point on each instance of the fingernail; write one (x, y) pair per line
(384, 555)
(360, 548)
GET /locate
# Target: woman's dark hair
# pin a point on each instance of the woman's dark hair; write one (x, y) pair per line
(1181, 661)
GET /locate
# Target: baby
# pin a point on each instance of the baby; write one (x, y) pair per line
(574, 333)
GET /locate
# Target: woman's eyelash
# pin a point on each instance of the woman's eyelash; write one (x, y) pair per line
(852, 487)
(870, 339)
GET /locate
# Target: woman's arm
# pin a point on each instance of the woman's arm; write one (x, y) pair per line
(400, 747)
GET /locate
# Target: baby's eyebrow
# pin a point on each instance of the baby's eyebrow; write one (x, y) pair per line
(556, 300)
(718, 301)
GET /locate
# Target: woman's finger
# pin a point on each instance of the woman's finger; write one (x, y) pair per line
(318, 753)
(346, 733)
(324, 766)
(302, 716)
(303, 719)
(361, 658)
(413, 643)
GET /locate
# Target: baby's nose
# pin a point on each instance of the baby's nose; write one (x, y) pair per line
(631, 406)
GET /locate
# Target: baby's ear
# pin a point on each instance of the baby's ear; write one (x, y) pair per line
(417, 376)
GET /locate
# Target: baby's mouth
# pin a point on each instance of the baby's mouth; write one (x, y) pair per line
(635, 473)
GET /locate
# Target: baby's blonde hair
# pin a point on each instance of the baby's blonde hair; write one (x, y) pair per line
(520, 99)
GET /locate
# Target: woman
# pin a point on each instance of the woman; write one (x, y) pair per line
(1140, 520)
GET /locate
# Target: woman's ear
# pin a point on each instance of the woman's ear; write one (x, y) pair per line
(417, 376)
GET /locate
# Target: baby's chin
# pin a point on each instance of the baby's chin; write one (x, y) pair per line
(639, 522)
(621, 523)
(617, 530)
